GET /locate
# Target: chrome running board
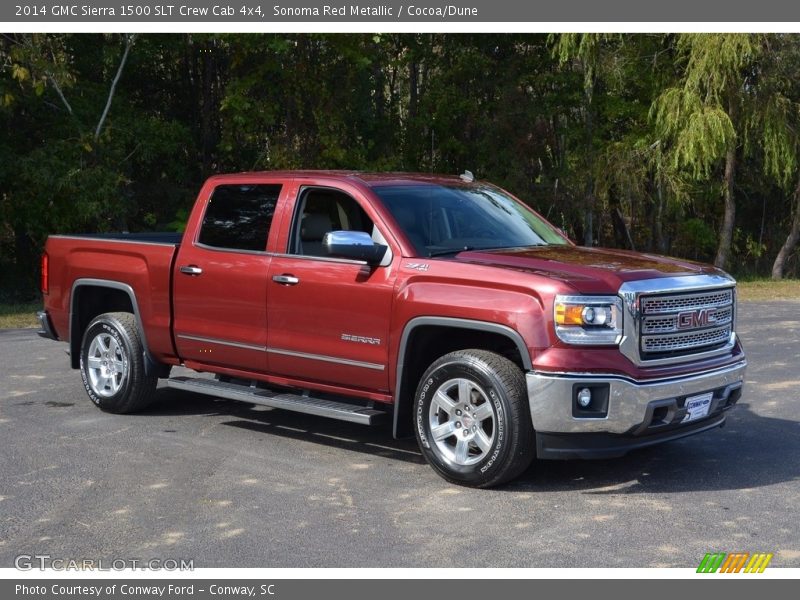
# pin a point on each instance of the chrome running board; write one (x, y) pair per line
(343, 411)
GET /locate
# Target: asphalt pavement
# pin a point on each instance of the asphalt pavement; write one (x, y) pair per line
(227, 484)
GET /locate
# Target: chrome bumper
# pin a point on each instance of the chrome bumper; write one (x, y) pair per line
(634, 408)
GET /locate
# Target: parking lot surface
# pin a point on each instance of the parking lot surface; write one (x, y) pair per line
(228, 484)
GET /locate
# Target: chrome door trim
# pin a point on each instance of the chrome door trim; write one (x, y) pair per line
(331, 359)
(198, 338)
(327, 259)
(321, 357)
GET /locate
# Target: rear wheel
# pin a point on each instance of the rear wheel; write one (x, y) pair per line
(112, 364)
(472, 418)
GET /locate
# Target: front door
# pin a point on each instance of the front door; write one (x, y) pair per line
(329, 318)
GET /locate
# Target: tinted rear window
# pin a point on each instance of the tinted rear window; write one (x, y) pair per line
(238, 217)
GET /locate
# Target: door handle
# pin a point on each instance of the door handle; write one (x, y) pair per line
(191, 270)
(286, 279)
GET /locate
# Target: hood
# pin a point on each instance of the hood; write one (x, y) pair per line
(588, 270)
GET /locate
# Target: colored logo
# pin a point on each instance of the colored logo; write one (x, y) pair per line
(697, 318)
(737, 562)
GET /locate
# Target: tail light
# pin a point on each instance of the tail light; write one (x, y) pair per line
(45, 282)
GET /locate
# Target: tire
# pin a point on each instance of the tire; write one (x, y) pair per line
(472, 419)
(112, 364)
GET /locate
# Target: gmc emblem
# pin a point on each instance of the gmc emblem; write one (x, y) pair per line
(692, 319)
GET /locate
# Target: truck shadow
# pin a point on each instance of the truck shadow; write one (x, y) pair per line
(374, 441)
(751, 451)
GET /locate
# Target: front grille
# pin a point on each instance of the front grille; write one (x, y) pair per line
(669, 323)
(684, 341)
(652, 305)
(686, 323)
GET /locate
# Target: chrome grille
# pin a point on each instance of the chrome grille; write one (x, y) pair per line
(657, 305)
(685, 323)
(682, 341)
(669, 323)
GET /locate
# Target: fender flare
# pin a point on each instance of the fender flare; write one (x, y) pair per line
(74, 341)
(455, 323)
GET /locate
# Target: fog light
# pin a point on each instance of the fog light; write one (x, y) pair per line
(584, 397)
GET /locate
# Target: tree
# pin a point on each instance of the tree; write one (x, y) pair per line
(77, 148)
(718, 114)
(791, 240)
(587, 53)
(652, 142)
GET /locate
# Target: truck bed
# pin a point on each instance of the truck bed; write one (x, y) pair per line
(139, 264)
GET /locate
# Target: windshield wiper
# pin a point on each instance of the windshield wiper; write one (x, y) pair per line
(446, 251)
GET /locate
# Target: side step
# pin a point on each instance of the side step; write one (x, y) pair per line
(312, 406)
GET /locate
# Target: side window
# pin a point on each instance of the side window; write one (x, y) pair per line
(238, 217)
(320, 211)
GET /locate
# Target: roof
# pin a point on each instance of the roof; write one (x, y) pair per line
(369, 178)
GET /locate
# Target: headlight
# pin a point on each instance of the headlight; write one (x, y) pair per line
(589, 320)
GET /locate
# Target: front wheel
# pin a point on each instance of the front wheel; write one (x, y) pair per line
(112, 364)
(472, 418)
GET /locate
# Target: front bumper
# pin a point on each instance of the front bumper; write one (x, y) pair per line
(635, 413)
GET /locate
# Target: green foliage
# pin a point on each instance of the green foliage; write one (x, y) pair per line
(730, 102)
(715, 62)
(695, 239)
(179, 222)
(590, 50)
(778, 122)
(753, 248)
(631, 129)
(700, 133)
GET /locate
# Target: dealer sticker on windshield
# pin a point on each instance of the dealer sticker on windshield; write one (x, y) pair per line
(697, 407)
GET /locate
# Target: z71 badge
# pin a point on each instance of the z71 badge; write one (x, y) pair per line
(417, 266)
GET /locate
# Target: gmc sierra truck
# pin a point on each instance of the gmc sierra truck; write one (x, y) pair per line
(440, 304)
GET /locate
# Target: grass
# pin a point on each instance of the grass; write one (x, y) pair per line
(23, 315)
(19, 315)
(759, 290)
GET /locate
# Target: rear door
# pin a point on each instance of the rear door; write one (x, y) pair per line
(329, 317)
(220, 279)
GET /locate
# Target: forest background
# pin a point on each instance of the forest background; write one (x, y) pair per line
(679, 144)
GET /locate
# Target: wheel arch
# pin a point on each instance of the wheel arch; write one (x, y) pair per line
(92, 297)
(494, 335)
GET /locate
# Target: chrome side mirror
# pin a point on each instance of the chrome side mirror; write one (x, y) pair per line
(355, 245)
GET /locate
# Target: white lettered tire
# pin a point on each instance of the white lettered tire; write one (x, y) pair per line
(112, 364)
(472, 418)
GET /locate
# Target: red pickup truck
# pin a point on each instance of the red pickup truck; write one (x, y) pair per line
(442, 304)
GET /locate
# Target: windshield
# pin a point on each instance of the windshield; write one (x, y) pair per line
(441, 219)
